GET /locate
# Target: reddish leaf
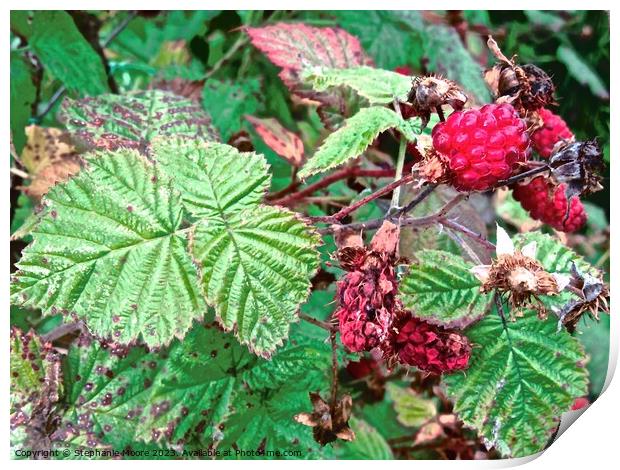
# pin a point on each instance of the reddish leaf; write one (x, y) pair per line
(279, 139)
(293, 47)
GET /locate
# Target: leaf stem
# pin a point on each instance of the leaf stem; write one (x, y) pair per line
(400, 162)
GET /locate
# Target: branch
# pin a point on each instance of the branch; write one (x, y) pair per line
(342, 213)
(334, 390)
(344, 173)
(423, 195)
(316, 322)
(468, 232)
(522, 176)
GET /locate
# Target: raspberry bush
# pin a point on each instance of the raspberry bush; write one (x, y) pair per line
(241, 235)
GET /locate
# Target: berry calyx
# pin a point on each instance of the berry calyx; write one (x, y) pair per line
(481, 146)
(548, 203)
(553, 130)
(429, 347)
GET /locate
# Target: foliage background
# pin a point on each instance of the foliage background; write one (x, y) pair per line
(207, 48)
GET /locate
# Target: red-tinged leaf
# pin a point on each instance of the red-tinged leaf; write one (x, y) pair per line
(293, 47)
(296, 46)
(285, 143)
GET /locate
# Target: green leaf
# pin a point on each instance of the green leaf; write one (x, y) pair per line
(65, 53)
(376, 85)
(595, 339)
(109, 249)
(24, 218)
(523, 375)
(441, 289)
(368, 443)
(214, 179)
(353, 138)
(582, 72)
(228, 102)
(256, 267)
(135, 120)
(206, 390)
(412, 410)
(23, 95)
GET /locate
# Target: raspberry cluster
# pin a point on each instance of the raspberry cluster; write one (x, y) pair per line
(553, 130)
(370, 316)
(481, 146)
(428, 347)
(548, 203)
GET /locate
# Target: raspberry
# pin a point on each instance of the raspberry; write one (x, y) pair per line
(482, 146)
(428, 347)
(367, 301)
(548, 203)
(554, 130)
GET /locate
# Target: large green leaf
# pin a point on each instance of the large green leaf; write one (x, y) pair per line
(441, 289)
(214, 179)
(66, 54)
(110, 249)
(412, 409)
(135, 120)
(23, 95)
(256, 267)
(353, 138)
(205, 390)
(582, 72)
(376, 85)
(523, 375)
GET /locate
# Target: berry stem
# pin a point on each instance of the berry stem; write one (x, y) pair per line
(450, 223)
(423, 195)
(400, 162)
(522, 176)
(321, 324)
(334, 388)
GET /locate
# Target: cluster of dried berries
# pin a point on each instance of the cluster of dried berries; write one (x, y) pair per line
(328, 422)
(370, 316)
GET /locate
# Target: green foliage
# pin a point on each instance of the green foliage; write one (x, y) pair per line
(412, 410)
(109, 249)
(441, 289)
(205, 390)
(23, 94)
(522, 376)
(353, 138)
(582, 72)
(66, 54)
(368, 443)
(229, 102)
(376, 85)
(135, 120)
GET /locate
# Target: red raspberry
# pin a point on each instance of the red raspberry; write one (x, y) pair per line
(430, 348)
(547, 202)
(482, 146)
(553, 131)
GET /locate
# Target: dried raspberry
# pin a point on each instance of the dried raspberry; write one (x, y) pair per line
(482, 146)
(548, 203)
(428, 347)
(554, 130)
(367, 300)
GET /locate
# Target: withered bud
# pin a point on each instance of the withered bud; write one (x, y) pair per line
(328, 424)
(522, 278)
(578, 165)
(527, 87)
(594, 298)
(430, 93)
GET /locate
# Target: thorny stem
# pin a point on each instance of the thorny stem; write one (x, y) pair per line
(400, 162)
(316, 322)
(334, 390)
(420, 197)
(61, 91)
(342, 213)
(454, 225)
(344, 173)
